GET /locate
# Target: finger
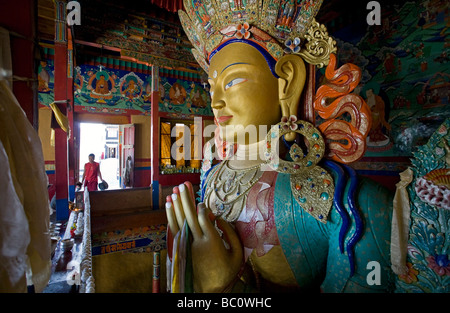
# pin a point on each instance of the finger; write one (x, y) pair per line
(173, 224)
(204, 220)
(233, 239)
(191, 190)
(179, 213)
(189, 211)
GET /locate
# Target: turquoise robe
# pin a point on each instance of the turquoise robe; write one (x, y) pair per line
(313, 250)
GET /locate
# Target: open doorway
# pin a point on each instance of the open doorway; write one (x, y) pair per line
(103, 141)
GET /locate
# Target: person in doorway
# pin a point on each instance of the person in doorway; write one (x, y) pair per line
(91, 172)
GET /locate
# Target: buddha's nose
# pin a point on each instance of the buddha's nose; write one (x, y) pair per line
(217, 105)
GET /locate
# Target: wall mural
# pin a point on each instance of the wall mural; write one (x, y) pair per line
(406, 74)
(100, 89)
(107, 90)
(46, 82)
(140, 239)
(184, 97)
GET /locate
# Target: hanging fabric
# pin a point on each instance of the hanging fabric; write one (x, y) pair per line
(25, 214)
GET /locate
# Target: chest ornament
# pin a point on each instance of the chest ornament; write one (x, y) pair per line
(311, 185)
(230, 188)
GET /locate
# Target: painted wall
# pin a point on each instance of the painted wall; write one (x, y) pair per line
(113, 91)
(48, 150)
(113, 86)
(45, 116)
(180, 96)
(142, 152)
(405, 62)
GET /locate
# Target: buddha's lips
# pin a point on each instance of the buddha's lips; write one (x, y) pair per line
(223, 119)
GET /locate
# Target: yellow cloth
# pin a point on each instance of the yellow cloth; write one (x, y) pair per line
(62, 120)
(400, 224)
(176, 264)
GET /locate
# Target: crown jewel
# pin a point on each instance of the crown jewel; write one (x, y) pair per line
(278, 26)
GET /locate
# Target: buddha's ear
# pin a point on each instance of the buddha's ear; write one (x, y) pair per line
(292, 75)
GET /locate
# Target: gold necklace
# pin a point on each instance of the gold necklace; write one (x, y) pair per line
(230, 187)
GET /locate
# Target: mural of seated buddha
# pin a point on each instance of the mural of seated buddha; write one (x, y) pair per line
(101, 86)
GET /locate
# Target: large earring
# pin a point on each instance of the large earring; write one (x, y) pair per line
(311, 185)
(299, 158)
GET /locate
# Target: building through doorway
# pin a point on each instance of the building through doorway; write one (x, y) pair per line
(103, 141)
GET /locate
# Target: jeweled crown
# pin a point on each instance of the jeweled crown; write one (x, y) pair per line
(277, 26)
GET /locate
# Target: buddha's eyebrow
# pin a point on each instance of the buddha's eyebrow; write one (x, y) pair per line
(232, 65)
(228, 67)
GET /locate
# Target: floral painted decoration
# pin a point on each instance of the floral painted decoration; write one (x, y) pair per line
(411, 275)
(439, 264)
(289, 122)
(292, 46)
(243, 31)
(428, 259)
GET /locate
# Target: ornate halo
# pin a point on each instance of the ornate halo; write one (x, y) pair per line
(277, 26)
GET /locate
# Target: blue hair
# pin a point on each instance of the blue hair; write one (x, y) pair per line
(340, 208)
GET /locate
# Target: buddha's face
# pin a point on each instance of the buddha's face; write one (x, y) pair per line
(244, 93)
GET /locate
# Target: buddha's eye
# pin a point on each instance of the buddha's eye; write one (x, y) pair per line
(234, 82)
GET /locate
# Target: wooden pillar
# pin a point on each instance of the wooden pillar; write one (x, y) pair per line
(73, 173)
(60, 90)
(154, 111)
(19, 18)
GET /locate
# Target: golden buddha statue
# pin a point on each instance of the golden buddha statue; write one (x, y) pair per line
(281, 211)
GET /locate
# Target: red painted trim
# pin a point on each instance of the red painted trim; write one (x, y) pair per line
(96, 45)
(155, 129)
(142, 160)
(142, 178)
(61, 142)
(387, 181)
(82, 109)
(184, 116)
(176, 179)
